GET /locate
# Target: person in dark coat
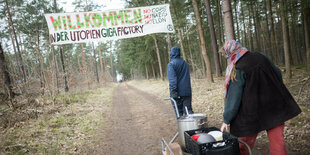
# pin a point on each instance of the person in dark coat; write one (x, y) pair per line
(179, 81)
(256, 98)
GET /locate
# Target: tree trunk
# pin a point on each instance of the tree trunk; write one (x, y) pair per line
(15, 37)
(153, 70)
(4, 73)
(244, 38)
(306, 12)
(213, 38)
(228, 20)
(294, 30)
(146, 72)
(70, 68)
(236, 17)
(250, 37)
(256, 26)
(158, 57)
(179, 34)
(95, 62)
(90, 62)
(202, 41)
(84, 66)
(63, 69)
(23, 49)
(56, 67)
(220, 30)
(300, 41)
(268, 38)
(55, 56)
(131, 74)
(286, 41)
(11, 67)
(264, 43)
(40, 59)
(274, 41)
(169, 45)
(203, 68)
(169, 42)
(79, 63)
(181, 42)
(105, 70)
(219, 23)
(19, 70)
(111, 62)
(191, 55)
(104, 61)
(100, 58)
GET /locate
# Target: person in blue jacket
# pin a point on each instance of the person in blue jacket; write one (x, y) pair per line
(179, 81)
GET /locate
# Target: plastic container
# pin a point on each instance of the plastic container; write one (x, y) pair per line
(228, 146)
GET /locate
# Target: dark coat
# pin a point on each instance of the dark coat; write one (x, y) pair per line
(266, 102)
(178, 74)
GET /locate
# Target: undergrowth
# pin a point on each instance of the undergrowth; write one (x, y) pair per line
(63, 128)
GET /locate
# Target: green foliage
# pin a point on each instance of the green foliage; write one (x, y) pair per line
(59, 121)
(73, 98)
(132, 53)
(178, 15)
(84, 6)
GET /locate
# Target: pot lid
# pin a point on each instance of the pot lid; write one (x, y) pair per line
(193, 117)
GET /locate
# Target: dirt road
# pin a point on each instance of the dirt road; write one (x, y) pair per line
(137, 123)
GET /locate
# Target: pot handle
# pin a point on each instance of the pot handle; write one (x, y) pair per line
(203, 123)
(186, 110)
(175, 106)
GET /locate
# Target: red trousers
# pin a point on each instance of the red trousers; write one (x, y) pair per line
(276, 141)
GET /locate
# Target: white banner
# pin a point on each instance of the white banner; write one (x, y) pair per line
(67, 28)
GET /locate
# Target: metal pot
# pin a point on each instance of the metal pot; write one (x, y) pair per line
(190, 122)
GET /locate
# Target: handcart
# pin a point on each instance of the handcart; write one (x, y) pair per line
(164, 143)
(196, 126)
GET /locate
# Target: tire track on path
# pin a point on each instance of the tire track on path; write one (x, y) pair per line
(137, 123)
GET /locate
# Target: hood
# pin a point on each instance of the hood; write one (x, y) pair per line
(175, 52)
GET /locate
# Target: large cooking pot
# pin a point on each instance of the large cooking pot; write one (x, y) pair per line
(190, 122)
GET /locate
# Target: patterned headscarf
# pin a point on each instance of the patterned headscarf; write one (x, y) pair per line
(234, 51)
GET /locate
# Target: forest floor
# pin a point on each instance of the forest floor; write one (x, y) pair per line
(131, 118)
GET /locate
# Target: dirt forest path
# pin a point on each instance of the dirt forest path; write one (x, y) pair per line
(137, 123)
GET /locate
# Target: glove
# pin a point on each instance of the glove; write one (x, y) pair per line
(174, 95)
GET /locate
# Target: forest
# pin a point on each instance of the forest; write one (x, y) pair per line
(38, 78)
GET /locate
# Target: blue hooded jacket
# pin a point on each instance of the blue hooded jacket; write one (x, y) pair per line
(178, 74)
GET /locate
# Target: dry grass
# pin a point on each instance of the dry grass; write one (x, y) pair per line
(63, 128)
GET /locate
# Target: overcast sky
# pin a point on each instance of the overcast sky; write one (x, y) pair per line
(110, 4)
